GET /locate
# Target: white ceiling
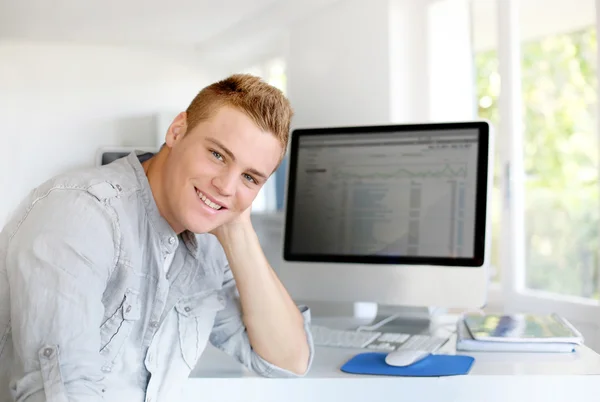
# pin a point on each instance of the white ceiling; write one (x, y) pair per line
(138, 22)
(219, 29)
(228, 30)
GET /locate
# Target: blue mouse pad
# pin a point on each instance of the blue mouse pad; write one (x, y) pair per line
(431, 366)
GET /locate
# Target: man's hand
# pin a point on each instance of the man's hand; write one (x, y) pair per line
(274, 323)
(242, 221)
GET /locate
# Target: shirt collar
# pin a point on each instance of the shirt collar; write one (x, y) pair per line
(168, 237)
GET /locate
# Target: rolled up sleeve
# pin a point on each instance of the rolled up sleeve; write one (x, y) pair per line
(229, 334)
(58, 263)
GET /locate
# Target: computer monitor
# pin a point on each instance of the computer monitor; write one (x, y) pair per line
(106, 155)
(392, 214)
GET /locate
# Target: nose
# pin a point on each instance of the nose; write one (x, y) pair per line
(225, 183)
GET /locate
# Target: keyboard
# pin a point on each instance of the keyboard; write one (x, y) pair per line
(386, 341)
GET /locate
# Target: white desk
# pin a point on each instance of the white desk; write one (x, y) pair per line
(494, 377)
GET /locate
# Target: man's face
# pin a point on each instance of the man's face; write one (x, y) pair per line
(214, 171)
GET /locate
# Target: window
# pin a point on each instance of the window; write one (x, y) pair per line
(276, 75)
(561, 162)
(536, 81)
(560, 150)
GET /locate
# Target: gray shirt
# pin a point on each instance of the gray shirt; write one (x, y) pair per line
(101, 300)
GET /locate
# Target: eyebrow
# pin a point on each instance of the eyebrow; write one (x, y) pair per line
(232, 157)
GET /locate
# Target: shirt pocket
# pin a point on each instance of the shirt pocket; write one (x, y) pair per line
(196, 317)
(115, 331)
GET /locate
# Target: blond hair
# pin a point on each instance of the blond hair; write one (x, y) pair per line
(266, 105)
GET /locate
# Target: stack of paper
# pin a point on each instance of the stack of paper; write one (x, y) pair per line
(516, 333)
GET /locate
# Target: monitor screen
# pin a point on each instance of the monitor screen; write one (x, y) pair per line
(388, 194)
(108, 157)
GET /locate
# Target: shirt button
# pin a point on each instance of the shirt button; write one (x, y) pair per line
(154, 324)
(119, 187)
(171, 240)
(187, 309)
(128, 309)
(48, 352)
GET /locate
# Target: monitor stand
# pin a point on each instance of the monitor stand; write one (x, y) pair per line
(408, 320)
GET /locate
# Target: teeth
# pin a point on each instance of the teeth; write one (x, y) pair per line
(207, 201)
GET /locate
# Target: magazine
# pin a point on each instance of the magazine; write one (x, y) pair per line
(466, 343)
(530, 328)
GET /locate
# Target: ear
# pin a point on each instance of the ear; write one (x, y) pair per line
(176, 130)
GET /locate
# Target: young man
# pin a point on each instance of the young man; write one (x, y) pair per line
(113, 280)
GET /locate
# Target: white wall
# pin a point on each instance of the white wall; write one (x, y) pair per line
(410, 70)
(409, 61)
(59, 103)
(338, 65)
(452, 83)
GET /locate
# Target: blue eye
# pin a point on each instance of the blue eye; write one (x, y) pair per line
(217, 155)
(249, 178)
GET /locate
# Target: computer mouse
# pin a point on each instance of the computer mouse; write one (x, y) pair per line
(402, 358)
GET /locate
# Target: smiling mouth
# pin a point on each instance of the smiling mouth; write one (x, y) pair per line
(208, 202)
